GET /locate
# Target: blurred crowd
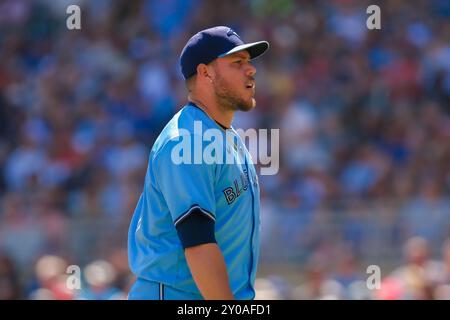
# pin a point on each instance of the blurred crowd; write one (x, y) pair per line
(364, 117)
(54, 278)
(418, 277)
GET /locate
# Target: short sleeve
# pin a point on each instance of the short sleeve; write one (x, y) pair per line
(186, 187)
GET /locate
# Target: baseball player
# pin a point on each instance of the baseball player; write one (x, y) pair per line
(195, 230)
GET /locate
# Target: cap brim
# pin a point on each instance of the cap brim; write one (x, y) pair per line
(255, 49)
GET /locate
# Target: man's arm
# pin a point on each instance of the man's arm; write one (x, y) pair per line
(209, 271)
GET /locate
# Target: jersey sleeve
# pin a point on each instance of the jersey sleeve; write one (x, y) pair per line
(188, 190)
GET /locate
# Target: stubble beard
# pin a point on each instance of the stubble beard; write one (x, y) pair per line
(228, 99)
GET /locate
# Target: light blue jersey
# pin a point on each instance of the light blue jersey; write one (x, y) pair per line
(227, 194)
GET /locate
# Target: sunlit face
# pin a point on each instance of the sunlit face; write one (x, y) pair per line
(234, 82)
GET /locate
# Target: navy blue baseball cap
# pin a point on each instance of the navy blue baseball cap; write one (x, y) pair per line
(212, 43)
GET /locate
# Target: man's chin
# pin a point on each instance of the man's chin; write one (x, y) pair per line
(248, 106)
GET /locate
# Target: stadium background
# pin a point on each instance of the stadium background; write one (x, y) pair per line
(365, 140)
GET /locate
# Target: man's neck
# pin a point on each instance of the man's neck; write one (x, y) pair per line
(223, 117)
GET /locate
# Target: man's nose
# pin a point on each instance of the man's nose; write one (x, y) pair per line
(251, 70)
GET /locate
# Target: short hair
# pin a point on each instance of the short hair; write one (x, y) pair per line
(190, 82)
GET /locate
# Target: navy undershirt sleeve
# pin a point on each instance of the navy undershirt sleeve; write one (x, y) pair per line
(196, 229)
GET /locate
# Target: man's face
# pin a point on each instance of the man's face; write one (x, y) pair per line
(234, 84)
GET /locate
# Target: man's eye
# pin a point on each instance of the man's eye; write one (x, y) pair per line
(238, 61)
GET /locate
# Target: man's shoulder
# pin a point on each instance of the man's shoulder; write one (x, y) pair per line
(188, 121)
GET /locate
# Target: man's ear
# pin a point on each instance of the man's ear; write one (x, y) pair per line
(204, 71)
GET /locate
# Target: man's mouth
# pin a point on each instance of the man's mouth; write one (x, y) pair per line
(250, 85)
